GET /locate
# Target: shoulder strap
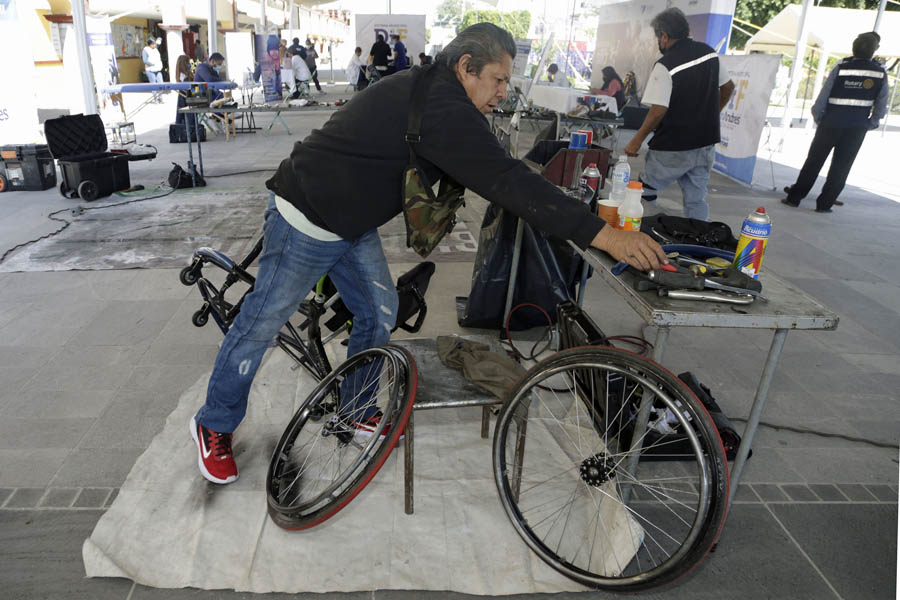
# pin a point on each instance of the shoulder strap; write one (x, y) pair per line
(417, 107)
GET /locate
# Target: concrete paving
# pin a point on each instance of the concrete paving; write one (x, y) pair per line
(91, 362)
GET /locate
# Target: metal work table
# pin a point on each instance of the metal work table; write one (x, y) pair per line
(788, 308)
(249, 111)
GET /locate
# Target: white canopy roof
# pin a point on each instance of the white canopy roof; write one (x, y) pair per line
(834, 28)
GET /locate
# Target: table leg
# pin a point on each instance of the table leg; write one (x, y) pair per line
(759, 403)
(408, 465)
(199, 150)
(643, 416)
(514, 269)
(187, 132)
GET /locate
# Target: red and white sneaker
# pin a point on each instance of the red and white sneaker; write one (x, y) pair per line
(214, 454)
(367, 427)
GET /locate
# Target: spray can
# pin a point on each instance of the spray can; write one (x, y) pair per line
(752, 243)
(590, 183)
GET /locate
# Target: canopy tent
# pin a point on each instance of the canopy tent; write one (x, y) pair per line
(830, 28)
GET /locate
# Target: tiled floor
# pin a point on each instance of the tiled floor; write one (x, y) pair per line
(91, 363)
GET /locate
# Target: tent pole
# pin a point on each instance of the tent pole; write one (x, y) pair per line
(797, 67)
(84, 58)
(878, 16)
(212, 30)
(820, 77)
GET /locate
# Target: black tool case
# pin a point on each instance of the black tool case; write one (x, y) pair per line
(28, 168)
(89, 171)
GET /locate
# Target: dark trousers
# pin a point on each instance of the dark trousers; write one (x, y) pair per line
(315, 78)
(846, 142)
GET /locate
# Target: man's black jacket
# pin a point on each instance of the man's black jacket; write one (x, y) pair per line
(346, 176)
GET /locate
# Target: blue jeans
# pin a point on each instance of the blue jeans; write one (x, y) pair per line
(154, 76)
(690, 168)
(290, 265)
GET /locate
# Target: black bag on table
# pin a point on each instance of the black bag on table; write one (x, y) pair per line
(668, 229)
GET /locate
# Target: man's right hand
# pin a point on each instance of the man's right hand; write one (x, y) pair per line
(633, 247)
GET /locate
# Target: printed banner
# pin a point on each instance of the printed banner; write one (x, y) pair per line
(743, 118)
(18, 110)
(410, 28)
(523, 49)
(270, 66)
(626, 41)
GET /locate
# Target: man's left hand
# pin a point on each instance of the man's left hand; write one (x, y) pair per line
(632, 148)
(633, 247)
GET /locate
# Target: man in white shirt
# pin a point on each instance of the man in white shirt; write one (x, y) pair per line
(355, 69)
(153, 64)
(686, 91)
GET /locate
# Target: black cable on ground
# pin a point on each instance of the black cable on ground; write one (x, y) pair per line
(849, 438)
(241, 173)
(52, 217)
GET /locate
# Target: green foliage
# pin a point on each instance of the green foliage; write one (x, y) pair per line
(449, 12)
(760, 12)
(515, 22)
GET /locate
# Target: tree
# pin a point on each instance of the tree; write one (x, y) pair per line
(449, 13)
(516, 22)
(760, 12)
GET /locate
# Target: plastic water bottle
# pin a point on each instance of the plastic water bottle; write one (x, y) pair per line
(621, 177)
(631, 212)
(752, 243)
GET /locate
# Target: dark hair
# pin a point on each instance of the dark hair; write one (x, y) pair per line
(151, 41)
(379, 38)
(553, 68)
(216, 56)
(672, 22)
(421, 55)
(865, 44)
(296, 40)
(395, 36)
(484, 42)
(358, 49)
(610, 74)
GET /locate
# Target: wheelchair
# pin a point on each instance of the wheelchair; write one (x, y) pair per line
(581, 471)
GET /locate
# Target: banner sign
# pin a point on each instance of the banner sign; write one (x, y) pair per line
(18, 110)
(270, 66)
(410, 28)
(523, 49)
(626, 41)
(743, 119)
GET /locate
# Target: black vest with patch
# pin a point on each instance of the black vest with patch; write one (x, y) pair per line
(853, 95)
(692, 119)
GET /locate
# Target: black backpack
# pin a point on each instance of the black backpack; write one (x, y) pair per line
(179, 178)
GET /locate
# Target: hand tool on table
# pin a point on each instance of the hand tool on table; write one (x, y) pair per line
(712, 296)
(673, 277)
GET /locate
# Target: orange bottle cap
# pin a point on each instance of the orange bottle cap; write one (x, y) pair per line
(635, 185)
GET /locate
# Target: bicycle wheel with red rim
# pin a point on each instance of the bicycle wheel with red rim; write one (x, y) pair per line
(322, 460)
(601, 500)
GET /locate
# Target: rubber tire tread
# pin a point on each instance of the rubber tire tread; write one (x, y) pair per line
(298, 523)
(715, 519)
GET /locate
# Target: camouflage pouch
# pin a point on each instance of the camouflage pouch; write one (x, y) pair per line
(428, 217)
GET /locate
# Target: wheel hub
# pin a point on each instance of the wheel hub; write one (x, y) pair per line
(334, 427)
(598, 469)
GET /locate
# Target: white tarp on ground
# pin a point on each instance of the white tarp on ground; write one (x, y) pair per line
(169, 528)
(831, 28)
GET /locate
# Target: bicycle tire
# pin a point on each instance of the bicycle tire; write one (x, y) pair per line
(655, 523)
(293, 508)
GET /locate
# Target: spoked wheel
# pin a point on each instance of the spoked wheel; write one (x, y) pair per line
(320, 465)
(579, 492)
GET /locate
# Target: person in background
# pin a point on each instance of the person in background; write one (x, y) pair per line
(183, 73)
(300, 74)
(356, 70)
(295, 43)
(199, 52)
(153, 65)
(613, 86)
(686, 91)
(852, 102)
(554, 77)
(285, 56)
(378, 57)
(311, 56)
(424, 59)
(400, 60)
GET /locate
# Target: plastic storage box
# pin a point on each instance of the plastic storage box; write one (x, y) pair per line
(89, 171)
(27, 168)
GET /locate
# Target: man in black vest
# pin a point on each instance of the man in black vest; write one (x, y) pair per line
(852, 101)
(686, 91)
